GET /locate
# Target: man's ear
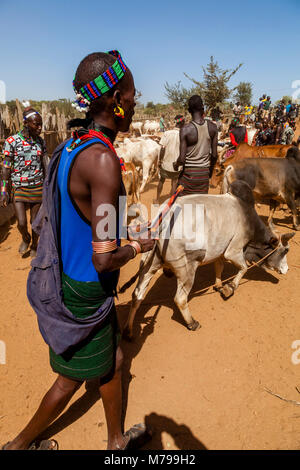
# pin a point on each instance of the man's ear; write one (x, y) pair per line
(117, 98)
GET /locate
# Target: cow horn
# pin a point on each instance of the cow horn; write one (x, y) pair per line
(286, 237)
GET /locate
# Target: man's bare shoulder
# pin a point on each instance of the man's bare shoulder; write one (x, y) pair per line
(97, 161)
(212, 125)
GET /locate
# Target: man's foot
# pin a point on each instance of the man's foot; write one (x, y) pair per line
(50, 444)
(32, 253)
(136, 437)
(23, 247)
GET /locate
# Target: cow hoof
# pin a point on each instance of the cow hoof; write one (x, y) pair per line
(127, 335)
(296, 227)
(195, 325)
(227, 291)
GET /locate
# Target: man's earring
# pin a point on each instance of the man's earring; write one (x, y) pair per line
(119, 112)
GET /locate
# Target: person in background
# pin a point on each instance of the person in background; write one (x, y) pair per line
(24, 166)
(168, 155)
(288, 107)
(265, 135)
(266, 107)
(288, 133)
(237, 109)
(162, 124)
(237, 133)
(198, 150)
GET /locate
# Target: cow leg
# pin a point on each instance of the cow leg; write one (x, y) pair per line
(273, 207)
(146, 171)
(139, 293)
(290, 200)
(237, 258)
(184, 284)
(219, 266)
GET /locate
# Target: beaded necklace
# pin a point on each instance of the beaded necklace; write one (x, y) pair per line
(27, 139)
(82, 136)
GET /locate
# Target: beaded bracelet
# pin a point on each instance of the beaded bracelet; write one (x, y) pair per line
(3, 188)
(6, 164)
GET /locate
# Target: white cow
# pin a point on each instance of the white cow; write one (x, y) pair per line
(230, 230)
(137, 127)
(251, 131)
(150, 127)
(143, 153)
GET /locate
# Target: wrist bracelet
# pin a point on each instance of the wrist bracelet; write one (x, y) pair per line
(136, 245)
(134, 250)
(104, 247)
(3, 187)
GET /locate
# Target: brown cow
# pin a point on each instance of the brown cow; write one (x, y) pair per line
(130, 179)
(247, 151)
(272, 180)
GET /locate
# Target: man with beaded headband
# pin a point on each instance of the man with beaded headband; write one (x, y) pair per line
(88, 177)
(24, 165)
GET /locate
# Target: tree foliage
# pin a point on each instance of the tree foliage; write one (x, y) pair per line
(178, 95)
(243, 93)
(214, 88)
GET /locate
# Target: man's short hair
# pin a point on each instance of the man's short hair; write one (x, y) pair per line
(195, 103)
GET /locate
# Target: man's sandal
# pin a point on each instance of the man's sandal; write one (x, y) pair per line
(137, 436)
(42, 445)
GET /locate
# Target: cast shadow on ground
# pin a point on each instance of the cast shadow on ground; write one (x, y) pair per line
(75, 411)
(181, 434)
(163, 291)
(285, 221)
(6, 228)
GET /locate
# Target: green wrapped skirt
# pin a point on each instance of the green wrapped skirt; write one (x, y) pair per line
(95, 356)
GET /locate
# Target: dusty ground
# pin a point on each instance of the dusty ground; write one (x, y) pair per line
(197, 390)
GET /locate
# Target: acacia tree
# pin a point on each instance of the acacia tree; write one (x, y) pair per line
(243, 93)
(214, 87)
(178, 95)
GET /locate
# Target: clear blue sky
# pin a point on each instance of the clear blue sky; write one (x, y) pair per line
(43, 42)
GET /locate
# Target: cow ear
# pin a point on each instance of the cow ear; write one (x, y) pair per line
(286, 237)
(274, 241)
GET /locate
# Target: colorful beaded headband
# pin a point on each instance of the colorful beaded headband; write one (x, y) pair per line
(30, 114)
(178, 120)
(100, 85)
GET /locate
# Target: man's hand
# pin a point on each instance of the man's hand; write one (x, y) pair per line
(143, 235)
(176, 166)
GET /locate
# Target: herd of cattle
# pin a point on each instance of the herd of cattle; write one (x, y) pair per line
(233, 231)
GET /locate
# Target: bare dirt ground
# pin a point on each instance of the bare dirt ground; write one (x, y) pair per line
(197, 390)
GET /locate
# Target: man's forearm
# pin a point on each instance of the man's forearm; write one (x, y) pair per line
(113, 261)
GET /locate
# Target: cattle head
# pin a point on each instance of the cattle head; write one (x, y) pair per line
(217, 175)
(277, 261)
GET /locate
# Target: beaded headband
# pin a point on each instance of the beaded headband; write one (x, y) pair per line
(30, 114)
(178, 120)
(100, 85)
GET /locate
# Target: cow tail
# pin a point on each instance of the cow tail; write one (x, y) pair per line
(147, 258)
(226, 177)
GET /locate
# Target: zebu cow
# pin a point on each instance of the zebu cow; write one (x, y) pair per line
(143, 153)
(150, 127)
(137, 127)
(232, 232)
(130, 180)
(272, 180)
(246, 151)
